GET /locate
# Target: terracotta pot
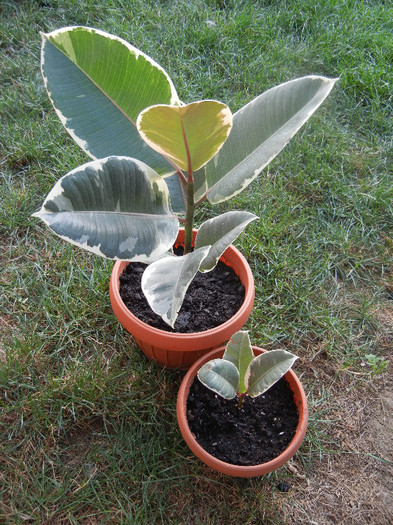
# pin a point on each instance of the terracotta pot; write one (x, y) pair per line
(174, 349)
(227, 468)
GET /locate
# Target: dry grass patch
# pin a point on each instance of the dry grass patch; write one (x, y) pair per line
(352, 485)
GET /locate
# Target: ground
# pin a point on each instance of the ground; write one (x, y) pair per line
(353, 486)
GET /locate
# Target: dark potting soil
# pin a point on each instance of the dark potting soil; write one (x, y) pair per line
(211, 299)
(254, 434)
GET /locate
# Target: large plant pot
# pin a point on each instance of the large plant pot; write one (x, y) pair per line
(178, 350)
(227, 468)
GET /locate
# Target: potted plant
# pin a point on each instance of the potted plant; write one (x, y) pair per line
(241, 410)
(175, 349)
(155, 161)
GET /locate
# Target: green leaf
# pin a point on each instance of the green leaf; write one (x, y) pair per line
(266, 369)
(220, 376)
(116, 207)
(199, 184)
(239, 352)
(165, 282)
(176, 192)
(220, 232)
(260, 131)
(190, 135)
(98, 84)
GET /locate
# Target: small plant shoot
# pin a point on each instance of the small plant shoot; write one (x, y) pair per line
(239, 373)
(378, 364)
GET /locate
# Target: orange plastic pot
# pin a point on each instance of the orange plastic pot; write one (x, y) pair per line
(174, 349)
(227, 468)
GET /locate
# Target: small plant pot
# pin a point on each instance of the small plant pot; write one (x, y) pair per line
(228, 468)
(180, 350)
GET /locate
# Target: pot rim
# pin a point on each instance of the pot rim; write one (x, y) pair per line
(228, 468)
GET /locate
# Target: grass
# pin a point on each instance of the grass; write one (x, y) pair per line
(88, 426)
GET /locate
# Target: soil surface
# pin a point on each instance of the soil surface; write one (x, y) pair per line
(254, 434)
(211, 299)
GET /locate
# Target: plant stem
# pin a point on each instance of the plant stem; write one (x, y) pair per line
(189, 214)
(241, 400)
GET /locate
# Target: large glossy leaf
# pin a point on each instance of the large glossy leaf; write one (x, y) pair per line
(190, 135)
(239, 352)
(220, 232)
(267, 369)
(200, 186)
(98, 84)
(116, 207)
(220, 376)
(165, 282)
(260, 131)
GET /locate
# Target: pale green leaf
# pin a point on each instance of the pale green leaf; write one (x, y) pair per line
(220, 232)
(239, 352)
(220, 376)
(165, 282)
(98, 84)
(190, 135)
(116, 207)
(266, 369)
(260, 131)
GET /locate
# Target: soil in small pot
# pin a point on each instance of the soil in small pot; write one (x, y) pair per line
(211, 299)
(257, 433)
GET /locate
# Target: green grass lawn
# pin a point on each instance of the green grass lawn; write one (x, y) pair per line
(88, 430)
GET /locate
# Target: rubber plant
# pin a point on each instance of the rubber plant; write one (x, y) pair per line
(234, 372)
(240, 373)
(155, 159)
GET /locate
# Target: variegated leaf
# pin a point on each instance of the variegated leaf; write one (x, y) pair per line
(221, 377)
(98, 84)
(266, 369)
(165, 282)
(239, 352)
(260, 131)
(220, 232)
(116, 207)
(190, 135)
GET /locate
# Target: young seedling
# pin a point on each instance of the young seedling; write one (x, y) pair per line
(240, 373)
